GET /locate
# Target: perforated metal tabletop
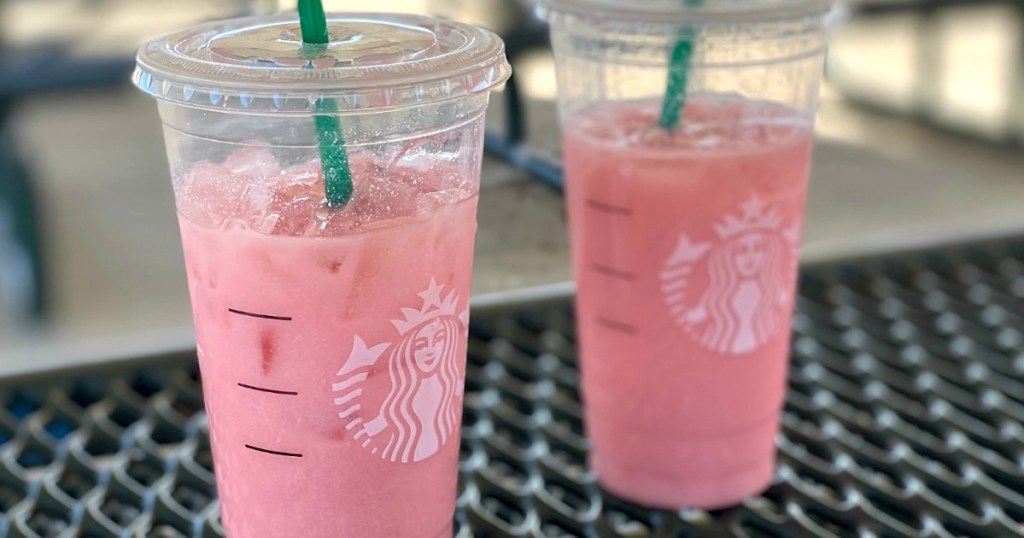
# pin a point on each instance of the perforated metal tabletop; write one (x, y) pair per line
(903, 419)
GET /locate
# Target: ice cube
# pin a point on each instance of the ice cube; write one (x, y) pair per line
(431, 202)
(284, 203)
(296, 215)
(251, 188)
(209, 193)
(253, 160)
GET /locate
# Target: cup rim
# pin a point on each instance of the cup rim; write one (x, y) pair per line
(679, 13)
(183, 67)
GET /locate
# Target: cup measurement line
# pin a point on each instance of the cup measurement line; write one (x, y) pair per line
(274, 452)
(260, 316)
(617, 326)
(612, 209)
(612, 272)
(271, 391)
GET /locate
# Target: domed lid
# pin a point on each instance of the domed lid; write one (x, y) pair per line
(260, 64)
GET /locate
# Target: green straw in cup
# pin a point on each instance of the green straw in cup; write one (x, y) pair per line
(678, 72)
(331, 143)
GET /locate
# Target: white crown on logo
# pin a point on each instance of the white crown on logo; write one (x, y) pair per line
(754, 217)
(433, 307)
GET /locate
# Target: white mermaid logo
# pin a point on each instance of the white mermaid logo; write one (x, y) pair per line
(423, 404)
(748, 270)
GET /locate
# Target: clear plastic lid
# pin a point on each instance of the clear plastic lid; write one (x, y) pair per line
(681, 12)
(373, 61)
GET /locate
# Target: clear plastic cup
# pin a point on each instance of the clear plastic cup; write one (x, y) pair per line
(685, 240)
(332, 340)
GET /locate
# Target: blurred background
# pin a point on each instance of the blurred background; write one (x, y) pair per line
(920, 134)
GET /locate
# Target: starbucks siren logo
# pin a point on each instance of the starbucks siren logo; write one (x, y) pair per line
(420, 411)
(744, 269)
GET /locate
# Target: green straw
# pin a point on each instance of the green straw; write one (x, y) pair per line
(333, 157)
(678, 72)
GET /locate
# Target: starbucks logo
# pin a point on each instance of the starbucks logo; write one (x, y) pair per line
(423, 399)
(730, 291)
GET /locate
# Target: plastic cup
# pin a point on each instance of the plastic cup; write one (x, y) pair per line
(685, 241)
(332, 341)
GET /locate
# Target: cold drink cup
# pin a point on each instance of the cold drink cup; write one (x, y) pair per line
(331, 339)
(685, 239)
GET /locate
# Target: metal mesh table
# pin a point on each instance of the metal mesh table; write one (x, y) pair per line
(903, 418)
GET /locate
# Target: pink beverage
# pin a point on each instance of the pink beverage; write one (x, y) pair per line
(685, 250)
(335, 423)
(685, 225)
(331, 337)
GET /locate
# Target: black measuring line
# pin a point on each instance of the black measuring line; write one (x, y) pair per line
(616, 325)
(260, 316)
(274, 452)
(612, 272)
(271, 391)
(612, 209)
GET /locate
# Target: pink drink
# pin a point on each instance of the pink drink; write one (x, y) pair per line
(332, 341)
(332, 345)
(685, 250)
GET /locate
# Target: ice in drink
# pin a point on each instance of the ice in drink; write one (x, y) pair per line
(331, 337)
(332, 345)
